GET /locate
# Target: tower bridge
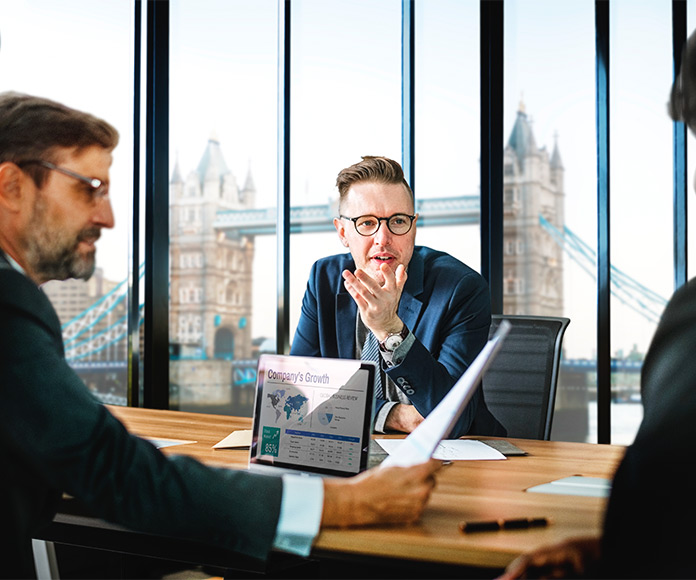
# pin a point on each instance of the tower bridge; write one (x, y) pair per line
(462, 210)
(443, 211)
(213, 224)
(433, 212)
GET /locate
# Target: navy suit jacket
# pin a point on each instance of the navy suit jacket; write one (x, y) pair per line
(445, 304)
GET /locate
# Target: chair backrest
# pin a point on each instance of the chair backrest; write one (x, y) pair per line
(520, 386)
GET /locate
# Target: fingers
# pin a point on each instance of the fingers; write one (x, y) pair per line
(568, 558)
(400, 276)
(393, 494)
(413, 487)
(378, 303)
(403, 418)
(515, 569)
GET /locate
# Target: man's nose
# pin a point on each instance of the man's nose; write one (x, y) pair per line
(383, 233)
(104, 213)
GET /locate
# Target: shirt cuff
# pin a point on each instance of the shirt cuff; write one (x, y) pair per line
(301, 508)
(381, 418)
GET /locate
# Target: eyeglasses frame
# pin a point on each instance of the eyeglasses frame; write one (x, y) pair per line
(100, 190)
(379, 224)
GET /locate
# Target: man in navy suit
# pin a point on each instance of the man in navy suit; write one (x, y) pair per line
(427, 312)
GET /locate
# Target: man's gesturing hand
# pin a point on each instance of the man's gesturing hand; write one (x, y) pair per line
(378, 300)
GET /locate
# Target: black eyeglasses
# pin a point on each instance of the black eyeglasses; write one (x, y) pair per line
(99, 189)
(399, 224)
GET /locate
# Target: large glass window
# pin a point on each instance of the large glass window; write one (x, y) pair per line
(550, 189)
(642, 277)
(447, 127)
(346, 103)
(222, 198)
(80, 53)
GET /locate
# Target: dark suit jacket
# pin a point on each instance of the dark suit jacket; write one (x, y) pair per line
(444, 303)
(56, 437)
(649, 525)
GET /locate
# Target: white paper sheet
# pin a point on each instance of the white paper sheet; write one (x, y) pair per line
(160, 443)
(576, 485)
(420, 445)
(452, 449)
(236, 439)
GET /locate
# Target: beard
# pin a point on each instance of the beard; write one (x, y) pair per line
(54, 253)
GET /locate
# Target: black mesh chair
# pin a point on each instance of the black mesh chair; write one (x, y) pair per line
(520, 385)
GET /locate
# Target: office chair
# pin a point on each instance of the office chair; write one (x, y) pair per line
(520, 386)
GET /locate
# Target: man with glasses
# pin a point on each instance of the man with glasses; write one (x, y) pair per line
(421, 314)
(56, 437)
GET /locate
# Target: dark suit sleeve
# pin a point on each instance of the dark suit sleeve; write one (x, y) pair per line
(451, 331)
(56, 437)
(649, 527)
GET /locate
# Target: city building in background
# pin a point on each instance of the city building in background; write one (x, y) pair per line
(93, 320)
(210, 291)
(533, 199)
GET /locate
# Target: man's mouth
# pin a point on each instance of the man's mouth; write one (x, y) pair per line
(89, 236)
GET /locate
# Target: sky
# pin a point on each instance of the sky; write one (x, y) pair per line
(346, 103)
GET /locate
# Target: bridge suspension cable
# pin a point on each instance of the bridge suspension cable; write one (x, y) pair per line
(627, 290)
(76, 328)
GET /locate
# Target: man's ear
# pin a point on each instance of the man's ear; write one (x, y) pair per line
(11, 186)
(341, 230)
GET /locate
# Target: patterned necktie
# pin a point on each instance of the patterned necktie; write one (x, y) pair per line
(370, 351)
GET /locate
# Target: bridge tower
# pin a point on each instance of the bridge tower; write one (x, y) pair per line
(532, 261)
(211, 274)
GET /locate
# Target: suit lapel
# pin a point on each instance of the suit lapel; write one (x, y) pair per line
(410, 305)
(346, 314)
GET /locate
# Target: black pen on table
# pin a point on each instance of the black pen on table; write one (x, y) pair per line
(503, 524)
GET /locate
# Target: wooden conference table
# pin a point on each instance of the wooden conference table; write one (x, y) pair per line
(466, 490)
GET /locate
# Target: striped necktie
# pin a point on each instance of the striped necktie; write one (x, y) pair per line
(370, 351)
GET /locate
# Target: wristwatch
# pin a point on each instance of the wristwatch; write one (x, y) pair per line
(393, 340)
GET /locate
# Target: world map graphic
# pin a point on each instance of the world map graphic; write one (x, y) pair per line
(292, 405)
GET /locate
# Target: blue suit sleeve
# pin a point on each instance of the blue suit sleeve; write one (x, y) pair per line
(449, 335)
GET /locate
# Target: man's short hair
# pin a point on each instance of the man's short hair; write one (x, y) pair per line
(682, 100)
(34, 128)
(373, 170)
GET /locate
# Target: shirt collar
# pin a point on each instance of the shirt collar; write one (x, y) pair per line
(12, 262)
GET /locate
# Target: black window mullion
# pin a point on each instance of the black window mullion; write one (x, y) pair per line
(492, 13)
(156, 339)
(283, 199)
(134, 266)
(603, 256)
(408, 91)
(679, 34)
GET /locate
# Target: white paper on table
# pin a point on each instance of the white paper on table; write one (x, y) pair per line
(161, 443)
(236, 439)
(576, 485)
(420, 445)
(452, 449)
